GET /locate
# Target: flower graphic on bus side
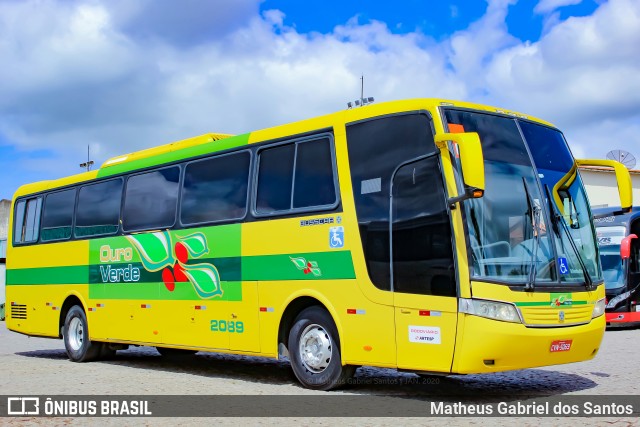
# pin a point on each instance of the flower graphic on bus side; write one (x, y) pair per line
(158, 252)
(307, 266)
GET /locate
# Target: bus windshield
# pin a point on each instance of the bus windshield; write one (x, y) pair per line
(526, 228)
(609, 239)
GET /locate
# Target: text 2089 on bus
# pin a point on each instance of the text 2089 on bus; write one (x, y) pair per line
(425, 235)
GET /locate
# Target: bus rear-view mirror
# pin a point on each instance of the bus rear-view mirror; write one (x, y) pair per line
(625, 246)
(469, 150)
(623, 179)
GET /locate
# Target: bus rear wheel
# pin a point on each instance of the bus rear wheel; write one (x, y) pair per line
(314, 351)
(76, 337)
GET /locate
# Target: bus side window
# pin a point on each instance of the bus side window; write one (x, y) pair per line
(296, 176)
(57, 218)
(98, 211)
(151, 199)
(215, 189)
(27, 220)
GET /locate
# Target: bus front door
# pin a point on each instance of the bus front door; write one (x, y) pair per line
(422, 271)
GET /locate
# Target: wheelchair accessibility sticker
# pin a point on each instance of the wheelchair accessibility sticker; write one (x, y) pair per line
(563, 265)
(336, 237)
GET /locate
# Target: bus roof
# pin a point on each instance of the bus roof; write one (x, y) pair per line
(215, 142)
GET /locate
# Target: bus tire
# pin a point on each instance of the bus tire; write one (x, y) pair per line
(314, 351)
(175, 353)
(76, 337)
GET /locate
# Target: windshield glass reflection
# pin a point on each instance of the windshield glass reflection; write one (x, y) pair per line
(533, 223)
(609, 239)
(507, 227)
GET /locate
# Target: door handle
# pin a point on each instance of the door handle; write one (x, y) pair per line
(405, 311)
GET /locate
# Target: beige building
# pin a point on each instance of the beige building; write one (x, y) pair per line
(602, 189)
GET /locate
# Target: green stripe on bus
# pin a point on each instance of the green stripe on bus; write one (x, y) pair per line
(306, 266)
(548, 304)
(183, 291)
(69, 275)
(181, 154)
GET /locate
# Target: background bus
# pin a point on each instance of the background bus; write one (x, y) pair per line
(621, 275)
(424, 235)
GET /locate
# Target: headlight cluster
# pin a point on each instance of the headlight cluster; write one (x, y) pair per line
(598, 308)
(490, 309)
(615, 300)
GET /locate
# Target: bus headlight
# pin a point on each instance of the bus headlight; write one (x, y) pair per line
(614, 301)
(502, 311)
(598, 308)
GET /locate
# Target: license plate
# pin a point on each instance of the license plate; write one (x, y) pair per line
(560, 345)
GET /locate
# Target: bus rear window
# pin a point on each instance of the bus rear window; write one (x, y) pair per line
(27, 220)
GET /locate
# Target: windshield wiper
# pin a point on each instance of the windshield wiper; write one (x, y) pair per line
(534, 211)
(559, 219)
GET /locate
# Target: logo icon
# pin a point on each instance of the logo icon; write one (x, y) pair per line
(563, 265)
(336, 237)
(23, 406)
(561, 316)
(161, 251)
(561, 299)
(307, 267)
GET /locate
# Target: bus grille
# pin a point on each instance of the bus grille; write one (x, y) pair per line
(18, 311)
(539, 316)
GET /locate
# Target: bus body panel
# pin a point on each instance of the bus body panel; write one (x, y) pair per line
(263, 265)
(425, 331)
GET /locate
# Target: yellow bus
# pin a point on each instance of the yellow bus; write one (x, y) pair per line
(425, 235)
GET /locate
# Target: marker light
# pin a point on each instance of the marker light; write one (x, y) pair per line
(495, 310)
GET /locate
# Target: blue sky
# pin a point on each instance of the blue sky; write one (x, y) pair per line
(123, 75)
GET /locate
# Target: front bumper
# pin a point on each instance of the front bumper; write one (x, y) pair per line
(486, 345)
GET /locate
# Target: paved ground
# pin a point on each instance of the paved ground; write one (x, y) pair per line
(40, 366)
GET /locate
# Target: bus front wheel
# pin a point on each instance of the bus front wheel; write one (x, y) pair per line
(76, 337)
(314, 351)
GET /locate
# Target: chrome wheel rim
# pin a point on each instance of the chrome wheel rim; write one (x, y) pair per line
(316, 348)
(76, 334)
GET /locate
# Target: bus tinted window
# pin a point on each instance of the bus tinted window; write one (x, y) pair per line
(422, 245)
(27, 220)
(151, 199)
(57, 218)
(215, 189)
(275, 176)
(314, 185)
(98, 209)
(376, 149)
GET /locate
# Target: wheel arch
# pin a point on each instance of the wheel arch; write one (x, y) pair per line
(71, 300)
(295, 306)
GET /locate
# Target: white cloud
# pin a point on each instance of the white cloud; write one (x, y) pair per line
(107, 74)
(584, 72)
(546, 6)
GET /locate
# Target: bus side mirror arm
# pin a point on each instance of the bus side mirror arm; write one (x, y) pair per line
(469, 150)
(623, 179)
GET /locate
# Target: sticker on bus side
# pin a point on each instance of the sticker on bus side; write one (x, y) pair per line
(336, 237)
(425, 334)
(560, 345)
